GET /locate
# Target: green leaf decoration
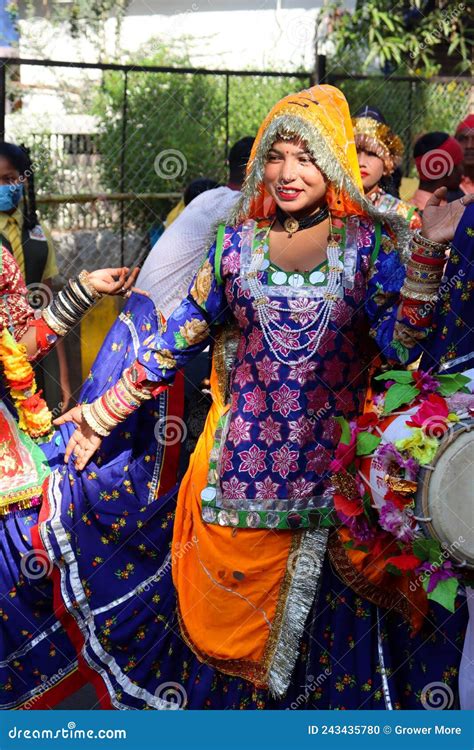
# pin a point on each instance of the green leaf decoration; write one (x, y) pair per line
(449, 384)
(399, 394)
(444, 593)
(399, 376)
(402, 351)
(428, 549)
(366, 443)
(346, 430)
(393, 570)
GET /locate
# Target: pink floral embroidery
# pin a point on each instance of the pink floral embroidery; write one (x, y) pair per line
(333, 371)
(255, 343)
(304, 310)
(270, 431)
(231, 262)
(240, 316)
(239, 431)
(317, 400)
(233, 489)
(318, 459)
(359, 291)
(301, 431)
(285, 340)
(300, 488)
(285, 400)
(266, 489)
(284, 461)
(268, 370)
(345, 402)
(332, 430)
(302, 372)
(241, 348)
(326, 345)
(252, 461)
(243, 374)
(255, 401)
(226, 459)
(341, 313)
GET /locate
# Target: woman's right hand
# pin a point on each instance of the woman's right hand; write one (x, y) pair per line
(439, 221)
(83, 442)
(113, 281)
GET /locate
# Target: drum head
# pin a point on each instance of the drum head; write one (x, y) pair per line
(446, 495)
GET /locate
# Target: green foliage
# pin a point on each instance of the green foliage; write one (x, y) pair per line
(403, 36)
(411, 107)
(182, 113)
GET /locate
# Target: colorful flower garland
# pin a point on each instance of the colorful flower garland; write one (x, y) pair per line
(34, 417)
(384, 541)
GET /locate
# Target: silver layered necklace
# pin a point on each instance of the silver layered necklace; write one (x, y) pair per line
(267, 309)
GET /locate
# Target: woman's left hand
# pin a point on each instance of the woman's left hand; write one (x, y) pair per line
(113, 280)
(440, 222)
(83, 442)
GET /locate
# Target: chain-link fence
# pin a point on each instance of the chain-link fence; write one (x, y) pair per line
(412, 106)
(115, 145)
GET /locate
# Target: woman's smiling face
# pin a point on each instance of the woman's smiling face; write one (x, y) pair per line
(292, 178)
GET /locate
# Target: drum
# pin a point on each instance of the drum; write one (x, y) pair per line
(445, 497)
(443, 491)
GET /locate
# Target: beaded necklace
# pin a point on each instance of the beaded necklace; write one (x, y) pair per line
(267, 308)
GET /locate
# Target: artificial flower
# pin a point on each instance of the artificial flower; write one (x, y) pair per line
(404, 561)
(432, 416)
(387, 454)
(396, 521)
(345, 454)
(420, 446)
(425, 382)
(437, 573)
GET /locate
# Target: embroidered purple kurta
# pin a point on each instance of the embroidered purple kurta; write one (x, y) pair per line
(269, 468)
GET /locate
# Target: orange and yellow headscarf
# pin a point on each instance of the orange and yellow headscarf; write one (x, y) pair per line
(320, 117)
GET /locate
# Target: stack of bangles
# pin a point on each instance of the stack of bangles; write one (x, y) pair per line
(425, 271)
(69, 306)
(116, 404)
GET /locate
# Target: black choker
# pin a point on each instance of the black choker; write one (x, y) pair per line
(291, 225)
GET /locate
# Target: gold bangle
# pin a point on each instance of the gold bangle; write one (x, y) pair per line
(86, 410)
(419, 239)
(84, 279)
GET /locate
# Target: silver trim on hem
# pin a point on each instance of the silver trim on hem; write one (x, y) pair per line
(304, 588)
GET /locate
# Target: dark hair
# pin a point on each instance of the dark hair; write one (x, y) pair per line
(19, 158)
(428, 142)
(198, 186)
(391, 183)
(238, 157)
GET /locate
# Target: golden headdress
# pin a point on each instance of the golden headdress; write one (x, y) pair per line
(371, 133)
